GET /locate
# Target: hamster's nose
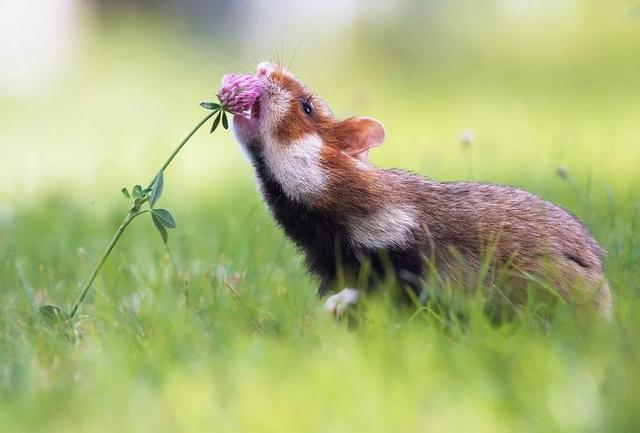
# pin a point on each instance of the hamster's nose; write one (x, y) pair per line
(265, 68)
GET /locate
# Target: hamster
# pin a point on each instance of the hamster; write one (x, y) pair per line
(345, 214)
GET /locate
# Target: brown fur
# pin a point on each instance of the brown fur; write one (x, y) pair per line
(535, 239)
(460, 224)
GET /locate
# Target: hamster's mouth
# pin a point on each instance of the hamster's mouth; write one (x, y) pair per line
(255, 109)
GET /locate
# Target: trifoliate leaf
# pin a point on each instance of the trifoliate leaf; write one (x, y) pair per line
(210, 106)
(215, 123)
(225, 124)
(156, 188)
(136, 192)
(165, 218)
(53, 315)
(160, 228)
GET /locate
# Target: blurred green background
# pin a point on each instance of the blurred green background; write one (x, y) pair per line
(94, 95)
(109, 87)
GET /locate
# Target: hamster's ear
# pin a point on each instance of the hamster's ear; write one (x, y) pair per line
(360, 135)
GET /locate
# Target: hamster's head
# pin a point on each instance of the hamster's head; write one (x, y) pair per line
(289, 118)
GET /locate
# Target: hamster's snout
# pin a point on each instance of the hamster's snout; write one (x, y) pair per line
(270, 70)
(264, 69)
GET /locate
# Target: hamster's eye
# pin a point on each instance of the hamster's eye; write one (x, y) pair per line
(307, 107)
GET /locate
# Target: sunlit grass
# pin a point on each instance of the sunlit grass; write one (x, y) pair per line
(249, 347)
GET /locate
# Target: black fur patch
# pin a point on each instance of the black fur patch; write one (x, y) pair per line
(322, 237)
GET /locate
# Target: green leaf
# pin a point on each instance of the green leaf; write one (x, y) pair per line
(215, 123)
(225, 124)
(125, 192)
(156, 188)
(160, 228)
(137, 191)
(140, 201)
(165, 218)
(210, 105)
(53, 315)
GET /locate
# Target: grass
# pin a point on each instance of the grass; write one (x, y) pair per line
(246, 346)
(235, 339)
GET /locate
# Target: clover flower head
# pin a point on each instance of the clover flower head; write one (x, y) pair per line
(238, 93)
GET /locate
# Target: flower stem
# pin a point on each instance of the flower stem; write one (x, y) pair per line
(130, 216)
(182, 143)
(133, 212)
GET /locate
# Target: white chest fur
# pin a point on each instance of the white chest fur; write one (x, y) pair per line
(296, 167)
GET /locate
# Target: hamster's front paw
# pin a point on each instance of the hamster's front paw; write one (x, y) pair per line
(338, 303)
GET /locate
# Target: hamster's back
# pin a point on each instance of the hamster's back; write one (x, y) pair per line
(517, 228)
